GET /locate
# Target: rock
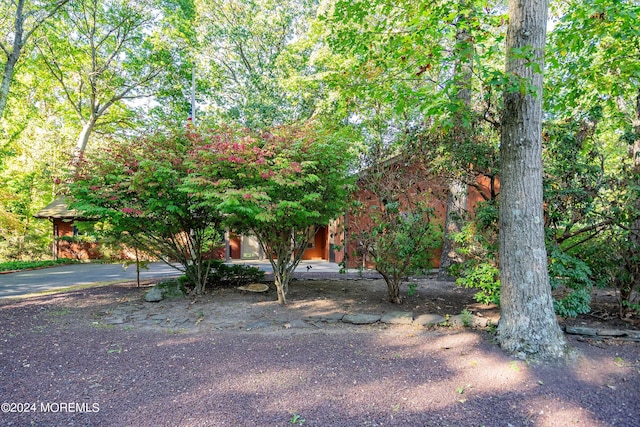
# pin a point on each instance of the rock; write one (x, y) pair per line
(428, 319)
(254, 287)
(633, 334)
(456, 320)
(361, 319)
(580, 330)
(398, 318)
(611, 333)
(328, 318)
(154, 295)
(296, 324)
(259, 325)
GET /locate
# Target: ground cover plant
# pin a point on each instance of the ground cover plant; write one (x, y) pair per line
(25, 265)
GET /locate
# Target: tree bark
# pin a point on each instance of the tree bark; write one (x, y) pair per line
(455, 213)
(12, 56)
(528, 327)
(458, 191)
(83, 138)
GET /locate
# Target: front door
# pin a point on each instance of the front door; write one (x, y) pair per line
(249, 247)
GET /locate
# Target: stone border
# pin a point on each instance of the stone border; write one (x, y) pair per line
(599, 334)
(129, 315)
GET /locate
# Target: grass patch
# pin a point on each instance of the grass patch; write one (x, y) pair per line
(26, 265)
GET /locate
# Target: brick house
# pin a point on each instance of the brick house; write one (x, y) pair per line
(408, 178)
(66, 241)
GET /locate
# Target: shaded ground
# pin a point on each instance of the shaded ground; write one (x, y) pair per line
(58, 352)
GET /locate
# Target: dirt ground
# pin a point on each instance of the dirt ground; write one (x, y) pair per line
(240, 359)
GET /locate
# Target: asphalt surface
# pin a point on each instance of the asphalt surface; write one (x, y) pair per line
(30, 281)
(26, 282)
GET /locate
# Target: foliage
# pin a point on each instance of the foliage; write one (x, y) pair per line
(26, 17)
(137, 187)
(466, 317)
(571, 282)
(111, 54)
(485, 277)
(615, 262)
(392, 219)
(478, 244)
(233, 275)
(26, 265)
(248, 51)
(280, 185)
(400, 242)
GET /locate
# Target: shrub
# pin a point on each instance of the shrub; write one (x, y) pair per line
(485, 277)
(222, 275)
(571, 283)
(400, 243)
(615, 262)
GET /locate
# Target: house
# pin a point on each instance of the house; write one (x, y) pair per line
(326, 244)
(67, 243)
(66, 240)
(406, 179)
(334, 242)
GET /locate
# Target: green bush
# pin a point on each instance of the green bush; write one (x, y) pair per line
(571, 283)
(401, 242)
(485, 277)
(223, 275)
(615, 262)
(569, 276)
(24, 265)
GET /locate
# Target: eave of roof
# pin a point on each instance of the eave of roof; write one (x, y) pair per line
(58, 209)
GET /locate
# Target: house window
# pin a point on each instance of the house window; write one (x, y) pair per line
(311, 237)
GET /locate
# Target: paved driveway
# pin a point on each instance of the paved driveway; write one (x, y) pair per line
(25, 282)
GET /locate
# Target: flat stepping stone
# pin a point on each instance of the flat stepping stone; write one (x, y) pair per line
(361, 319)
(633, 334)
(580, 330)
(428, 319)
(116, 320)
(398, 318)
(611, 333)
(254, 287)
(328, 318)
(259, 325)
(296, 324)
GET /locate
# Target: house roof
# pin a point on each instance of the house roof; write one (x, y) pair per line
(58, 209)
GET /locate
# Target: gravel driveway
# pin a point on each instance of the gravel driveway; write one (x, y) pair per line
(59, 365)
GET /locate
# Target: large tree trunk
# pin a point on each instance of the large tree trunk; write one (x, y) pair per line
(626, 293)
(83, 138)
(455, 214)
(528, 326)
(458, 190)
(12, 55)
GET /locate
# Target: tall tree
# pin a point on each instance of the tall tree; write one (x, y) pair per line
(246, 55)
(28, 16)
(102, 53)
(458, 191)
(528, 325)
